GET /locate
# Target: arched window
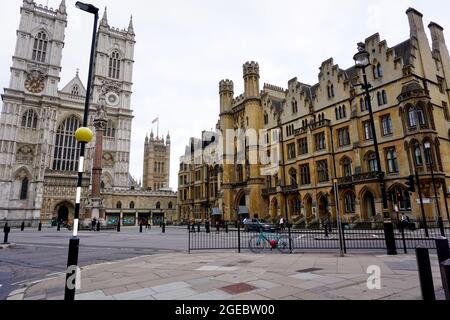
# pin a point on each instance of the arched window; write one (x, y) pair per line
(391, 157)
(119, 205)
(379, 99)
(384, 97)
(364, 104)
(266, 118)
(40, 47)
(371, 162)
(102, 185)
(75, 90)
(344, 111)
(347, 167)
(114, 65)
(416, 116)
(293, 177)
(24, 189)
(170, 205)
(418, 155)
(132, 205)
(158, 205)
(379, 70)
(29, 120)
(67, 149)
(349, 203)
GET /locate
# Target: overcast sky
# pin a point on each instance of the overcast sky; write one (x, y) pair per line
(185, 47)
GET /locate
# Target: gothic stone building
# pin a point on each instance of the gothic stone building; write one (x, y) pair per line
(156, 163)
(38, 151)
(326, 126)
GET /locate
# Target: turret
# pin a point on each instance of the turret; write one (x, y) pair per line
(251, 79)
(104, 21)
(131, 27)
(168, 139)
(62, 8)
(226, 91)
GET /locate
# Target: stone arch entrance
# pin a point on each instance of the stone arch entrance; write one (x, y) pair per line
(368, 210)
(64, 212)
(308, 203)
(323, 203)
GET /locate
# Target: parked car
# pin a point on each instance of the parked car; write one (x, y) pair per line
(258, 225)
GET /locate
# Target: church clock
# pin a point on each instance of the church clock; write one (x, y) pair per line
(34, 82)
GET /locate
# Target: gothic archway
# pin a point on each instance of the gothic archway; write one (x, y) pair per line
(368, 210)
(308, 207)
(323, 203)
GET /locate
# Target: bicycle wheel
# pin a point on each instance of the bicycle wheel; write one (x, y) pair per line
(258, 245)
(283, 244)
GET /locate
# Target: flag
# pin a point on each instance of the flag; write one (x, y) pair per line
(156, 120)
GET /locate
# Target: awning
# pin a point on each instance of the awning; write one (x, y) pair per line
(243, 210)
(216, 212)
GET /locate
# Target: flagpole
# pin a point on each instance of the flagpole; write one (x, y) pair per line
(157, 132)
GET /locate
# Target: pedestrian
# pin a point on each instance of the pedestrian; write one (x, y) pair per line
(405, 220)
(93, 224)
(282, 224)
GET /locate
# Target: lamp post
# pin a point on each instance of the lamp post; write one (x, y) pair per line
(362, 61)
(336, 198)
(429, 156)
(83, 135)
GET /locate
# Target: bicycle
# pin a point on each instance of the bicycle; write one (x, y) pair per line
(267, 242)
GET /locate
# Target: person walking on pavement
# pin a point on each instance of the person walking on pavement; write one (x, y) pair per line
(93, 224)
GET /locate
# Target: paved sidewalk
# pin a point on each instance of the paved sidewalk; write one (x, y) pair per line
(231, 276)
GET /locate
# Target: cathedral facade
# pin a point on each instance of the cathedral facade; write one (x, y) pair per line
(322, 133)
(38, 151)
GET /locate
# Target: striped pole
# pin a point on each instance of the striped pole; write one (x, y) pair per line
(83, 135)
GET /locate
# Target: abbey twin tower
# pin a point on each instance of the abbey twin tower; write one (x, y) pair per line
(38, 151)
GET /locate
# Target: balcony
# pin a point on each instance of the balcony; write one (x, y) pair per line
(358, 178)
(320, 124)
(239, 184)
(269, 191)
(289, 189)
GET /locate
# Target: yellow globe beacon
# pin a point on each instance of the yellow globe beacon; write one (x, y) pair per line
(84, 135)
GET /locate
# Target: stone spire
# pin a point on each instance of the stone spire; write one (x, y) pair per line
(168, 138)
(130, 26)
(152, 135)
(62, 7)
(104, 22)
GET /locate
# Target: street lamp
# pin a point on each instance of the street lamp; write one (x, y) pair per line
(83, 135)
(362, 61)
(429, 156)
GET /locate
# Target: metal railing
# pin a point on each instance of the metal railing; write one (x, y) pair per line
(319, 236)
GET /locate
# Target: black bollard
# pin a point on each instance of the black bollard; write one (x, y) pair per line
(198, 228)
(140, 228)
(22, 227)
(445, 274)
(98, 226)
(6, 230)
(40, 226)
(164, 228)
(442, 248)
(390, 238)
(207, 226)
(226, 228)
(58, 228)
(118, 226)
(425, 275)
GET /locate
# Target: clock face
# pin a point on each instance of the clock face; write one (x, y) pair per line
(112, 99)
(35, 82)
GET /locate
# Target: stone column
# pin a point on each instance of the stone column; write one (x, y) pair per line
(100, 122)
